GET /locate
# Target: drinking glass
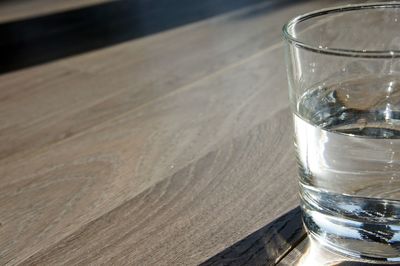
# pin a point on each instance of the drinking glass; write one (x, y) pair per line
(343, 67)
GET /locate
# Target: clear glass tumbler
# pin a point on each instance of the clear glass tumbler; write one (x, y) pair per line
(343, 68)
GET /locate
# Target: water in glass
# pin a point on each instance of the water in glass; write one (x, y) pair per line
(347, 138)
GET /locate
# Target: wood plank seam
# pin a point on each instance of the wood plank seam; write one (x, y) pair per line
(169, 94)
(228, 121)
(292, 248)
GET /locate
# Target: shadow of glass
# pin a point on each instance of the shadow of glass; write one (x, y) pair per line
(267, 245)
(283, 242)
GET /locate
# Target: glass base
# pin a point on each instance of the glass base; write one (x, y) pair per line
(346, 237)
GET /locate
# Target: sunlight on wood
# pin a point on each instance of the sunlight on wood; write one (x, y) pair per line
(310, 252)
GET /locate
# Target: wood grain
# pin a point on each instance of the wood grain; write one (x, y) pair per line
(166, 223)
(116, 158)
(99, 86)
(121, 163)
(163, 150)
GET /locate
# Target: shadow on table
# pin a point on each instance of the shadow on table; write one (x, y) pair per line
(265, 246)
(36, 40)
(282, 241)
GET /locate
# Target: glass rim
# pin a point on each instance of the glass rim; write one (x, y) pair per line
(338, 51)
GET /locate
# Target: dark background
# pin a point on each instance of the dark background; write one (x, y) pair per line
(45, 38)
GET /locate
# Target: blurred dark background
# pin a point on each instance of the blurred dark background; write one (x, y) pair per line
(43, 36)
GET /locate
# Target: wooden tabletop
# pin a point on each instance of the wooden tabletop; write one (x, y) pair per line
(168, 149)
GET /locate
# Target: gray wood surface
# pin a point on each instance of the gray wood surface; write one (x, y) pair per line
(163, 150)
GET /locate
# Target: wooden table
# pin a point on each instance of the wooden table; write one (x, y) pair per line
(169, 149)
